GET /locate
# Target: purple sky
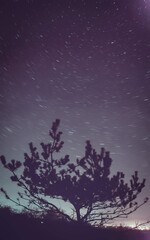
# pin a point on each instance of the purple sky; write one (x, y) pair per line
(85, 62)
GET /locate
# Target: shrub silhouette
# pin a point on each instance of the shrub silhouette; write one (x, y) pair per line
(95, 196)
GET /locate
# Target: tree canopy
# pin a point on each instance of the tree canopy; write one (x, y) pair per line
(95, 195)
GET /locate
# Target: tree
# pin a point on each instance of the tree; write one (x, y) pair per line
(96, 197)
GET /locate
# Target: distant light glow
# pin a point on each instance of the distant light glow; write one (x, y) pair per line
(141, 225)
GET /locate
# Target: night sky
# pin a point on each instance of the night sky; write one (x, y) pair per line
(85, 62)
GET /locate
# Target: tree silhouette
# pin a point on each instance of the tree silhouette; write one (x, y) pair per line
(96, 197)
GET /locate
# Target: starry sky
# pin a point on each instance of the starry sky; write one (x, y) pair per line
(86, 63)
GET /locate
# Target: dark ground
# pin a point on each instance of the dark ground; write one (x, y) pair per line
(15, 226)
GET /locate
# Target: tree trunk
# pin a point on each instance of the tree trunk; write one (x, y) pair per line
(78, 215)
